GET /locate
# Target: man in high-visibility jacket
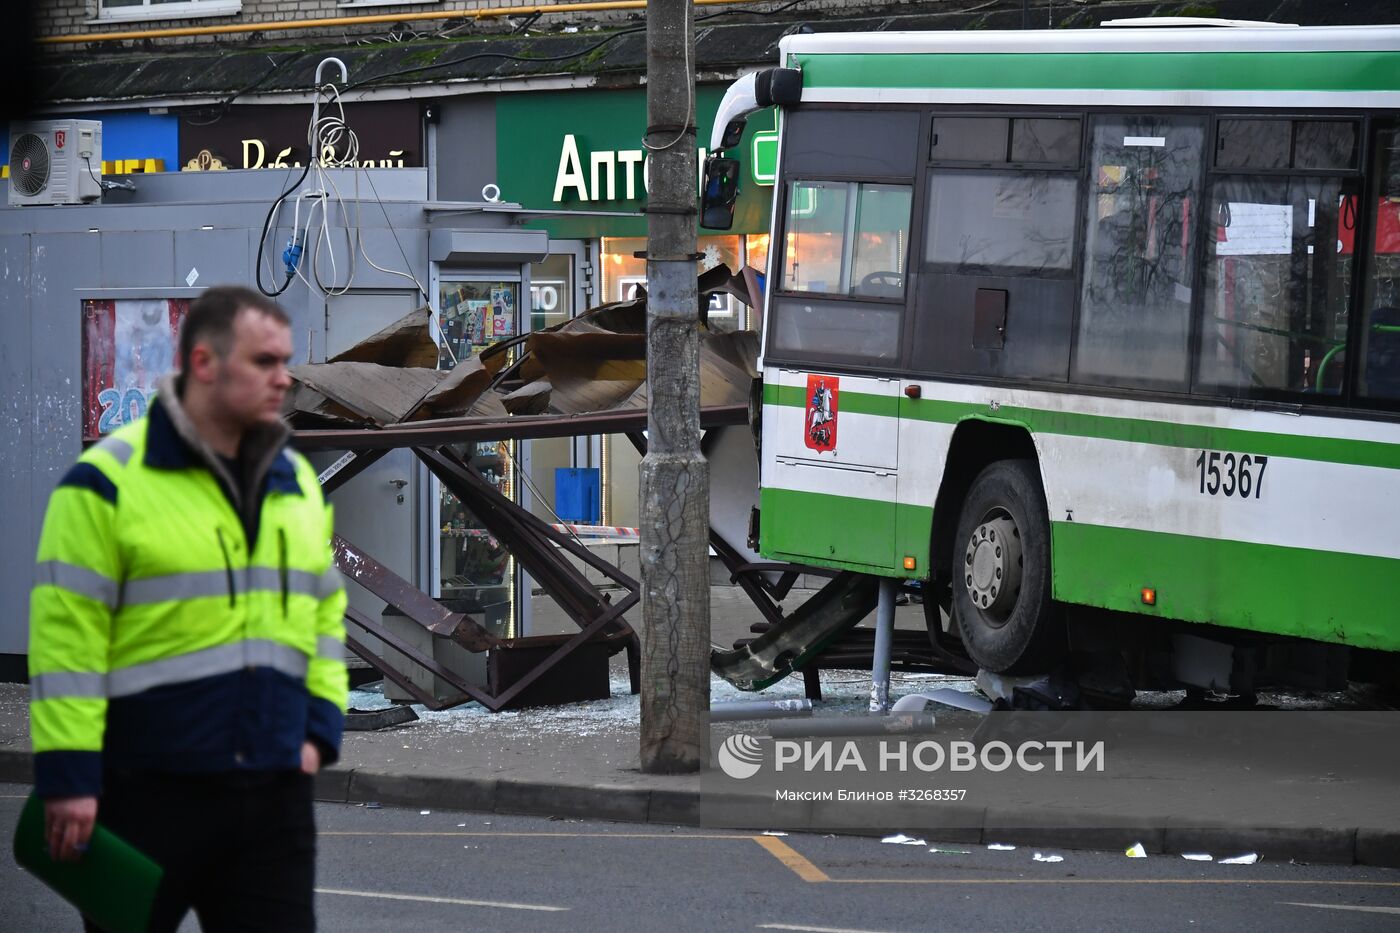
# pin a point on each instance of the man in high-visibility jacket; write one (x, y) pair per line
(187, 636)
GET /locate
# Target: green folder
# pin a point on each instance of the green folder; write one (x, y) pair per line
(113, 884)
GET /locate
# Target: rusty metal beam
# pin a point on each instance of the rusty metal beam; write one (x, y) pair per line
(528, 538)
(440, 432)
(408, 599)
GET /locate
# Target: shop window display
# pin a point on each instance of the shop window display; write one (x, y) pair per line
(624, 272)
(477, 571)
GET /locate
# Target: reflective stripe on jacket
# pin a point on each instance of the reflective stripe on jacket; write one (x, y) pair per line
(160, 640)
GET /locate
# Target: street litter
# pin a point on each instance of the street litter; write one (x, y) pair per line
(1048, 858)
(460, 825)
(957, 699)
(899, 839)
(1137, 851)
(773, 832)
(1196, 856)
(950, 851)
(998, 847)
(737, 711)
(424, 812)
(1249, 858)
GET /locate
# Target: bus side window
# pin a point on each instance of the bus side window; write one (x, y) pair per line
(996, 280)
(1380, 341)
(1135, 300)
(1278, 261)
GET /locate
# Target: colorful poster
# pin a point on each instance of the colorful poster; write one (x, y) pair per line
(127, 346)
(477, 314)
(503, 310)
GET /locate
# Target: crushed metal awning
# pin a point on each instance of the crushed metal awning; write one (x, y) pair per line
(584, 376)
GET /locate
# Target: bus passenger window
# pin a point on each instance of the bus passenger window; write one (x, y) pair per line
(1135, 300)
(846, 239)
(1279, 258)
(1380, 341)
(1001, 224)
(1277, 288)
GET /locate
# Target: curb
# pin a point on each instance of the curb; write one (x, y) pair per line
(628, 804)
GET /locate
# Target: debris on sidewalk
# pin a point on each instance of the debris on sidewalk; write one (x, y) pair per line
(1196, 856)
(371, 720)
(899, 839)
(950, 851)
(1249, 858)
(759, 709)
(1136, 850)
(773, 832)
(999, 847)
(947, 696)
(1047, 858)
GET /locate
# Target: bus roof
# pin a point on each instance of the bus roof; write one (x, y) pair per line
(1324, 67)
(1204, 39)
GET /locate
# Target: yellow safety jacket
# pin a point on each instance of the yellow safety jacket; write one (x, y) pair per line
(163, 639)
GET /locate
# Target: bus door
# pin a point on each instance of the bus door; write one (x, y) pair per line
(830, 454)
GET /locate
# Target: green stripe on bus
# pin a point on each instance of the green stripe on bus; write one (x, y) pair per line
(1158, 71)
(1105, 427)
(1341, 598)
(843, 532)
(857, 403)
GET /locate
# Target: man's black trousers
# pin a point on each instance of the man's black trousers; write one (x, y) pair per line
(238, 849)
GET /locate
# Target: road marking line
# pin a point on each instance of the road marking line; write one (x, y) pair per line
(790, 857)
(545, 835)
(811, 929)
(1357, 907)
(1226, 881)
(441, 900)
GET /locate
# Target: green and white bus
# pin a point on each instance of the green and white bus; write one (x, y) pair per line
(1098, 318)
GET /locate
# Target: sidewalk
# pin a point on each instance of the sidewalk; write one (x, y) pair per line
(581, 761)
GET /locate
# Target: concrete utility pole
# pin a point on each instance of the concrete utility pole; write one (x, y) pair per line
(675, 480)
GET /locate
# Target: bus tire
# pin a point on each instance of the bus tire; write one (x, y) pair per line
(1001, 572)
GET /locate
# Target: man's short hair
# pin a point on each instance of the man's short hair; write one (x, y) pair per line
(212, 314)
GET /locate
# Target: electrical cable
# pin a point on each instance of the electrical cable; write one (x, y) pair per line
(224, 104)
(689, 94)
(262, 240)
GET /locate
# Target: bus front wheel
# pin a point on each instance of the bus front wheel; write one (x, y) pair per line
(1001, 572)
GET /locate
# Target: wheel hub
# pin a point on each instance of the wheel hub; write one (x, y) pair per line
(992, 567)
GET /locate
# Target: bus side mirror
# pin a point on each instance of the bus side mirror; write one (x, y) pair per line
(720, 192)
(733, 132)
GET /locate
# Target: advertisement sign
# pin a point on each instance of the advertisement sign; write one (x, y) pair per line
(274, 136)
(128, 344)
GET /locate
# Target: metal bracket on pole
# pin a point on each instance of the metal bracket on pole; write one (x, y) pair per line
(884, 637)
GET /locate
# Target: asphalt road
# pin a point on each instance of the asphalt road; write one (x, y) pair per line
(399, 870)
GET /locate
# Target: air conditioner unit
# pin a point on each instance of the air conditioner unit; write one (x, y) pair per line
(55, 162)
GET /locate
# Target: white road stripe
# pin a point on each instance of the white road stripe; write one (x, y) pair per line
(1356, 907)
(441, 900)
(811, 929)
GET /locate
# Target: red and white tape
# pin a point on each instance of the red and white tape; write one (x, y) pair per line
(600, 531)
